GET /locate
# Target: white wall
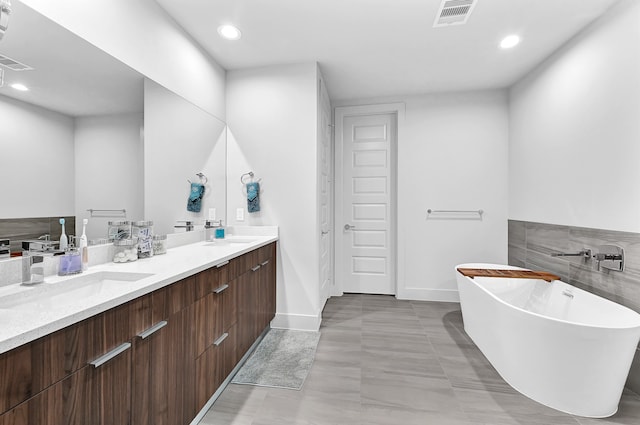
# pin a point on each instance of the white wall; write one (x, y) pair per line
(108, 169)
(36, 161)
(271, 117)
(180, 140)
(140, 34)
(452, 155)
(575, 131)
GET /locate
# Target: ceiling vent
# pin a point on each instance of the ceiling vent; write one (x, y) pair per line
(454, 12)
(13, 65)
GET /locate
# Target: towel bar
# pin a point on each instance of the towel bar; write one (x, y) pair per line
(250, 174)
(107, 213)
(479, 212)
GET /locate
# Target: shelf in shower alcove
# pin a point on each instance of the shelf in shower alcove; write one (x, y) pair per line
(517, 274)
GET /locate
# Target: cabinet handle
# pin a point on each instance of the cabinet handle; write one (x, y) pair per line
(152, 329)
(110, 355)
(219, 340)
(254, 269)
(222, 264)
(221, 288)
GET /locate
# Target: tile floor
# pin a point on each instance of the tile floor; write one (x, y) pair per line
(381, 361)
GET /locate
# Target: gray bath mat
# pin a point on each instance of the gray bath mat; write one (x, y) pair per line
(283, 360)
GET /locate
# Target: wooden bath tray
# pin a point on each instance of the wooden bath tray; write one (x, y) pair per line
(518, 274)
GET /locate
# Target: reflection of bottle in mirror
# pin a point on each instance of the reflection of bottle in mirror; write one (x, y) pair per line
(64, 242)
(84, 250)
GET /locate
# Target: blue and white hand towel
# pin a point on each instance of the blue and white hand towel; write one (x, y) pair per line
(194, 203)
(253, 197)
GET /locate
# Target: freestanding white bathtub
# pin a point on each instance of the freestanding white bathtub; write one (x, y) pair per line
(558, 345)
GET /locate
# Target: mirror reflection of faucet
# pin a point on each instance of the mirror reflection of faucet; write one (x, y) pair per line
(188, 225)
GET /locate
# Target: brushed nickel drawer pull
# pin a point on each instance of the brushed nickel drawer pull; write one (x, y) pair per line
(219, 340)
(222, 264)
(255, 269)
(221, 288)
(110, 355)
(264, 263)
(153, 329)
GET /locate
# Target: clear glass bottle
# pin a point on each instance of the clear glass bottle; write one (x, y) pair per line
(143, 230)
(119, 230)
(125, 250)
(159, 244)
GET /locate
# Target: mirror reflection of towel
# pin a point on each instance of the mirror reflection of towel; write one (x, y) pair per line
(194, 203)
(253, 197)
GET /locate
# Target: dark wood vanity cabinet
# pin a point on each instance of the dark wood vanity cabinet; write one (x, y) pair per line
(173, 349)
(58, 386)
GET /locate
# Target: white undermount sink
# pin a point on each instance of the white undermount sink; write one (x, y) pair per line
(68, 292)
(231, 240)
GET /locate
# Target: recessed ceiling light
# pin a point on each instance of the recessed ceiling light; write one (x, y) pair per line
(510, 41)
(229, 32)
(20, 87)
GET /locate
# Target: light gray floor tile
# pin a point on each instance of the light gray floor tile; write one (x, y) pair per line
(295, 408)
(373, 414)
(411, 392)
(383, 361)
(237, 405)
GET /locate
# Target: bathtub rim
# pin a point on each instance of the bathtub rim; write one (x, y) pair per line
(508, 267)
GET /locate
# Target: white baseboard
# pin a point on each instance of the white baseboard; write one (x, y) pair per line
(421, 294)
(303, 322)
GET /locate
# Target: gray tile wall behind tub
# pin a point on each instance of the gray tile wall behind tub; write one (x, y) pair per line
(531, 245)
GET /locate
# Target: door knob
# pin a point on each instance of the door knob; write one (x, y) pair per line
(349, 227)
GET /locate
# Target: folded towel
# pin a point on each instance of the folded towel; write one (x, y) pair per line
(253, 197)
(194, 203)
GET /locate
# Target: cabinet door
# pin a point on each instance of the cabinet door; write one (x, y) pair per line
(31, 368)
(206, 322)
(150, 392)
(208, 375)
(16, 384)
(266, 303)
(92, 395)
(182, 364)
(113, 380)
(246, 296)
(163, 373)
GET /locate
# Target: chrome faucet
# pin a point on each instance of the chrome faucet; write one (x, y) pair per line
(33, 267)
(585, 253)
(34, 253)
(211, 224)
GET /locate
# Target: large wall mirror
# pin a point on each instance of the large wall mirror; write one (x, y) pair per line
(90, 133)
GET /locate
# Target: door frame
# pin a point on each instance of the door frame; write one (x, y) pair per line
(340, 113)
(322, 88)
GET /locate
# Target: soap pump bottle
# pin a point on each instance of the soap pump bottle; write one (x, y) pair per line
(84, 250)
(64, 242)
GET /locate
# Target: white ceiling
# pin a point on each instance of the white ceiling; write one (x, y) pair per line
(71, 76)
(370, 48)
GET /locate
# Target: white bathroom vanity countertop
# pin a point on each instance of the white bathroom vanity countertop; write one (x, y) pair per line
(30, 312)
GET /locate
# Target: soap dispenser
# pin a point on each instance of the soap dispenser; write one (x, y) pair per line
(219, 231)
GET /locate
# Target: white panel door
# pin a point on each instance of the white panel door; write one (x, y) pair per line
(325, 192)
(367, 261)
